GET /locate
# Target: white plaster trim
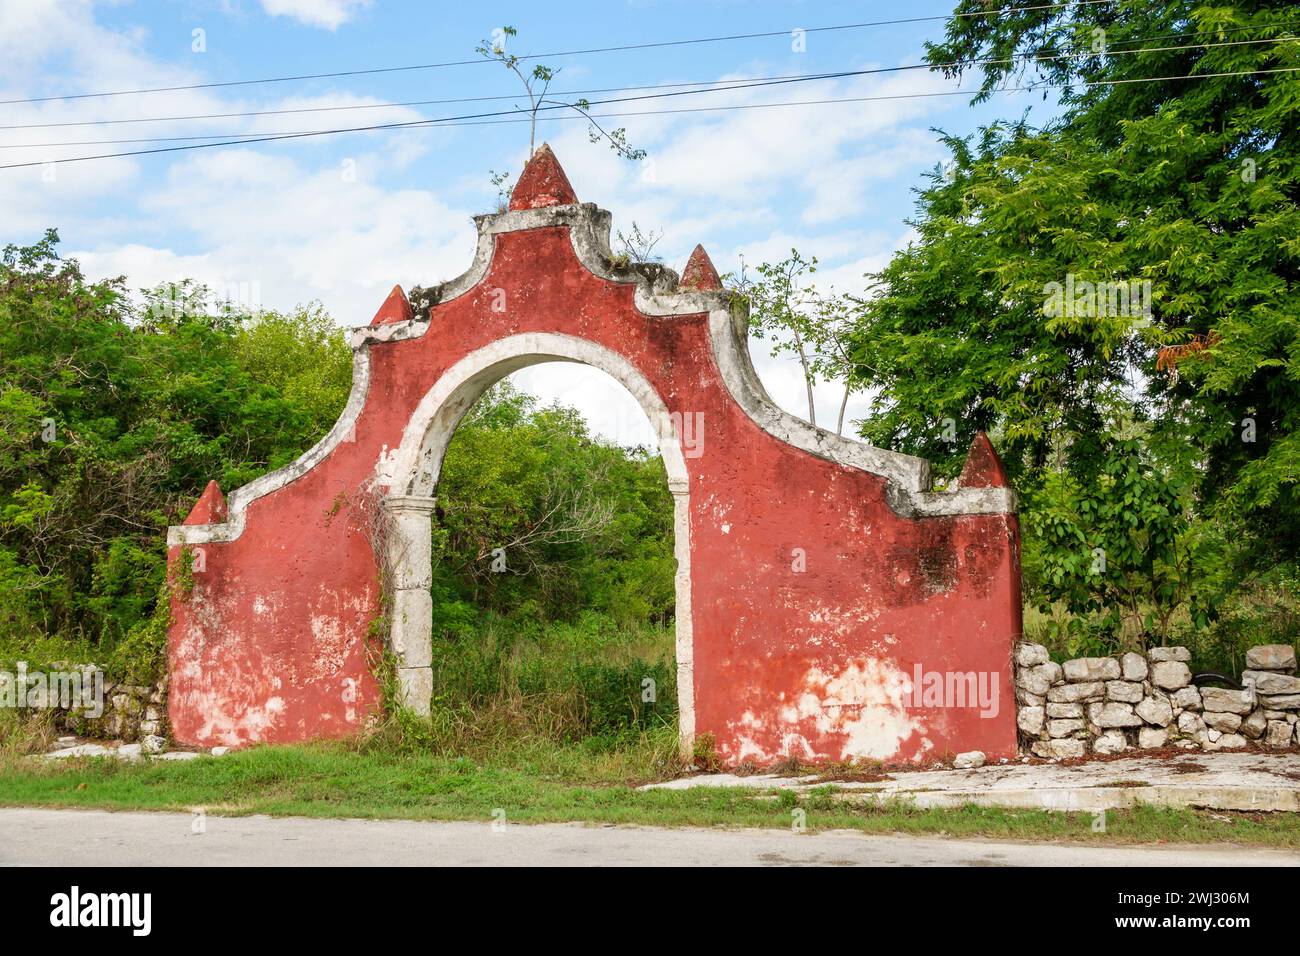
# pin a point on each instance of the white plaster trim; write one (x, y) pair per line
(411, 473)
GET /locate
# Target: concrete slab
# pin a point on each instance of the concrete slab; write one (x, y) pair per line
(1219, 781)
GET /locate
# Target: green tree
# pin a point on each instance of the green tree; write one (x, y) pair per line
(537, 518)
(116, 411)
(1188, 185)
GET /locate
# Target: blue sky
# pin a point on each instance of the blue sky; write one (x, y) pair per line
(340, 219)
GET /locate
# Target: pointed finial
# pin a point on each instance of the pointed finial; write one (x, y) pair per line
(396, 308)
(210, 508)
(542, 183)
(983, 466)
(699, 272)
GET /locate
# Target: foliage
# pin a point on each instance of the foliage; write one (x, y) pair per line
(1117, 550)
(116, 412)
(537, 83)
(789, 311)
(595, 679)
(537, 519)
(1188, 185)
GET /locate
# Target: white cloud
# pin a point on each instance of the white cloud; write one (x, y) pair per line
(337, 219)
(297, 231)
(327, 14)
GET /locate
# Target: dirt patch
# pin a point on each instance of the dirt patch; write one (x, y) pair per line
(1163, 753)
(1122, 783)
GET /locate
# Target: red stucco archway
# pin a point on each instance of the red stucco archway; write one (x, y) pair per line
(830, 605)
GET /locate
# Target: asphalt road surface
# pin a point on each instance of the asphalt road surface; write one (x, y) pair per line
(34, 837)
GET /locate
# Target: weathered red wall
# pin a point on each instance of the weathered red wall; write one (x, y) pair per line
(271, 643)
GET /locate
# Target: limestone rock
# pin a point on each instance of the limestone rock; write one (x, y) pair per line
(969, 760)
(1113, 715)
(1188, 698)
(1267, 682)
(1156, 711)
(82, 750)
(1279, 734)
(220, 751)
(1277, 702)
(153, 744)
(1171, 675)
(1190, 724)
(1064, 728)
(1158, 654)
(1229, 742)
(1031, 655)
(1224, 701)
(1133, 666)
(1255, 725)
(1039, 679)
(1026, 699)
(1030, 720)
(1069, 711)
(1271, 657)
(1065, 749)
(1223, 722)
(1111, 742)
(1125, 692)
(1149, 738)
(1073, 693)
(1091, 669)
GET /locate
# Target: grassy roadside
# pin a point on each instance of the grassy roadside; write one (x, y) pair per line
(556, 784)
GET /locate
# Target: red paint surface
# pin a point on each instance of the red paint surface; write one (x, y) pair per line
(271, 644)
(210, 508)
(983, 468)
(699, 272)
(542, 183)
(396, 308)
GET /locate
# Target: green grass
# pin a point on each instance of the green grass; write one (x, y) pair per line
(537, 784)
(548, 724)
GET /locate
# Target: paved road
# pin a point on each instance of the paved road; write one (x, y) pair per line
(98, 838)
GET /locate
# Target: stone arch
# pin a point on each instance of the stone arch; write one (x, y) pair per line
(412, 477)
(824, 585)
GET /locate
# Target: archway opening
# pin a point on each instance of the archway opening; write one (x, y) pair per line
(542, 585)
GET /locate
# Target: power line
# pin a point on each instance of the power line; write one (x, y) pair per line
(456, 120)
(537, 56)
(374, 106)
(646, 86)
(717, 88)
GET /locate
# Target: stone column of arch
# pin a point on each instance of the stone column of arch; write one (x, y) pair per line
(408, 576)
